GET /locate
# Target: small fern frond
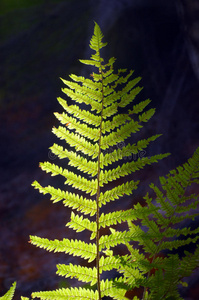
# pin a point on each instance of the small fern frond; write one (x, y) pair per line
(127, 151)
(109, 263)
(83, 274)
(118, 191)
(86, 206)
(72, 293)
(138, 108)
(77, 141)
(74, 247)
(81, 163)
(77, 112)
(115, 238)
(129, 168)
(189, 262)
(10, 293)
(113, 218)
(82, 129)
(110, 288)
(78, 223)
(77, 181)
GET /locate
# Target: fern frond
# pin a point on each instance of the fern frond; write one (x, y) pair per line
(91, 93)
(86, 206)
(81, 114)
(75, 160)
(83, 274)
(114, 218)
(138, 108)
(89, 133)
(118, 191)
(77, 141)
(170, 245)
(115, 238)
(82, 98)
(78, 223)
(127, 151)
(77, 181)
(109, 263)
(74, 247)
(72, 293)
(129, 168)
(122, 133)
(10, 293)
(82, 129)
(189, 262)
(109, 288)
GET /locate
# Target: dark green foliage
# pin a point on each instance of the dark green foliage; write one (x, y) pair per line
(163, 230)
(93, 134)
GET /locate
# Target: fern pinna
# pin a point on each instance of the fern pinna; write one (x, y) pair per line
(154, 261)
(93, 135)
(10, 293)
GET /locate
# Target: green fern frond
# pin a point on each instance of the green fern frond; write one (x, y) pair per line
(82, 129)
(109, 288)
(189, 262)
(81, 114)
(127, 151)
(128, 168)
(86, 206)
(77, 181)
(138, 108)
(171, 206)
(74, 247)
(81, 163)
(72, 293)
(118, 191)
(77, 141)
(83, 274)
(109, 263)
(95, 136)
(10, 293)
(122, 133)
(115, 238)
(78, 223)
(114, 218)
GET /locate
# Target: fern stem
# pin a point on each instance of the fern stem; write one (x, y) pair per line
(98, 190)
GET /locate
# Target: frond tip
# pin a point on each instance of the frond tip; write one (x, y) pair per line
(10, 293)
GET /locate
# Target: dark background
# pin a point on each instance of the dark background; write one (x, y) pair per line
(42, 41)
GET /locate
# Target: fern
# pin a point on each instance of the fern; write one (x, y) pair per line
(163, 233)
(95, 137)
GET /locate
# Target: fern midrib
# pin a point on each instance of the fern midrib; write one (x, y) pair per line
(98, 184)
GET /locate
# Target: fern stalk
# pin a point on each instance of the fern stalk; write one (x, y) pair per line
(98, 187)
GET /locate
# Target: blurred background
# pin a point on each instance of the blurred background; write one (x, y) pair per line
(41, 41)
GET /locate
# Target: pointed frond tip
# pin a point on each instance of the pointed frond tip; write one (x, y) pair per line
(96, 40)
(10, 293)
